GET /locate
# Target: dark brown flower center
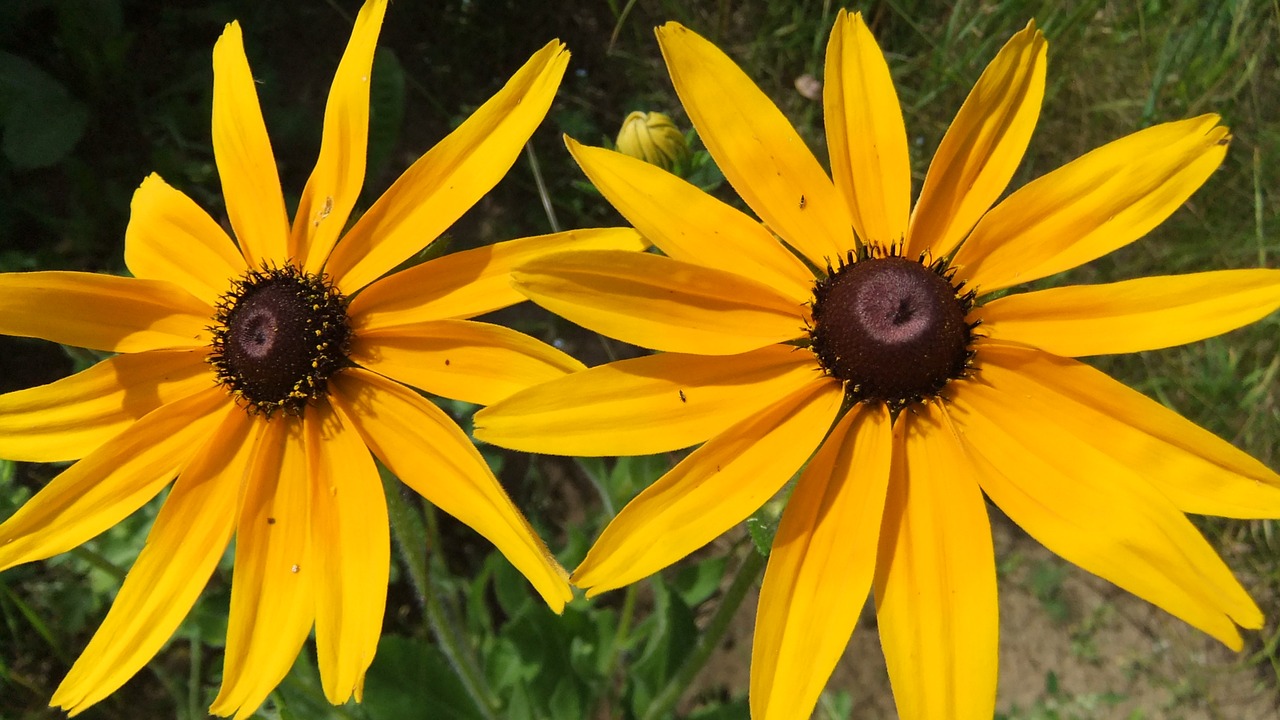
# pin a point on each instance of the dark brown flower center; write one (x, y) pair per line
(278, 336)
(892, 329)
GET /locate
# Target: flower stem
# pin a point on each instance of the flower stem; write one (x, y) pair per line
(100, 562)
(610, 663)
(543, 194)
(195, 677)
(597, 481)
(710, 639)
(411, 537)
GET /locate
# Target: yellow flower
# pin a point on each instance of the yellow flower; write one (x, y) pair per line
(879, 364)
(264, 375)
(654, 138)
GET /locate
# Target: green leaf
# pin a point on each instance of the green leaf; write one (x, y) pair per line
(519, 707)
(835, 705)
(478, 620)
(386, 109)
(698, 581)
(411, 679)
(1051, 684)
(509, 586)
(600, 642)
(632, 474)
(207, 621)
(8, 599)
(543, 654)
(701, 170)
(672, 634)
(762, 531)
(42, 122)
(566, 700)
(585, 655)
(733, 710)
(300, 696)
(506, 668)
(576, 122)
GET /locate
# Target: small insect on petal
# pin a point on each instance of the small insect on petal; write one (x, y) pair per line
(324, 211)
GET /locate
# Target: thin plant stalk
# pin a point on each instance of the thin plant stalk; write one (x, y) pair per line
(709, 640)
(100, 562)
(195, 677)
(411, 538)
(543, 193)
(610, 663)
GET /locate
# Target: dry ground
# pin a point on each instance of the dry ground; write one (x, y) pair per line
(1072, 647)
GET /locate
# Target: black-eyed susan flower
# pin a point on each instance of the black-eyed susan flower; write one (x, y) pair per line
(851, 324)
(654, 138)
(267, 373)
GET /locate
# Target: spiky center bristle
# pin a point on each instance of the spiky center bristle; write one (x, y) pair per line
(278, 336)
(893, 330)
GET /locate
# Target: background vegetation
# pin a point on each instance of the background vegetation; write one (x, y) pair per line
(95, 94)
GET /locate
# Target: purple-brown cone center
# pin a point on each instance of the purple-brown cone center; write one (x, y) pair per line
(278, 337)
(892, 329)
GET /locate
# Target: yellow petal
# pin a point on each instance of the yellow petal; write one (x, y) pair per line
(1097, 203)
(461, 359)
(936, 578)
(351, 544)
(443, 184)
(68, 419)
(1133, 315)
(335, 183)
(465, 284)
(865, 133)
(273, 586)
(689, 225)
(112, 481)
(982, 148)
(242, 151)
(102, 312)
(1113, 524)
(431, 454)
(1133, 435)
(761, 155)
(660, 303)
(183, 549)
(645, 405)
(820, 570)
(170, 238)
(716, 487)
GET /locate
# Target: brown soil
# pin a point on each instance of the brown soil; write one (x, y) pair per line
(1072, 647)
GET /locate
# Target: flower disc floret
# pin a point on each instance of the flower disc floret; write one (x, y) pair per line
(892, 329)
(278, 336)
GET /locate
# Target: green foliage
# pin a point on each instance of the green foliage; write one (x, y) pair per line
(386, 109)
(1046, 583)
(95, 94)
(835, 706)
(1058, 704)
(409, 675)
(762, 532)
(43, 122)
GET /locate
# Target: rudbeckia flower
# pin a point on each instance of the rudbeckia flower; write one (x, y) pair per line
(857, 334)
(267, 373)
(654, 138)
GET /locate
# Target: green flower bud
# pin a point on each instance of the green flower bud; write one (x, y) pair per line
(654, 138)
